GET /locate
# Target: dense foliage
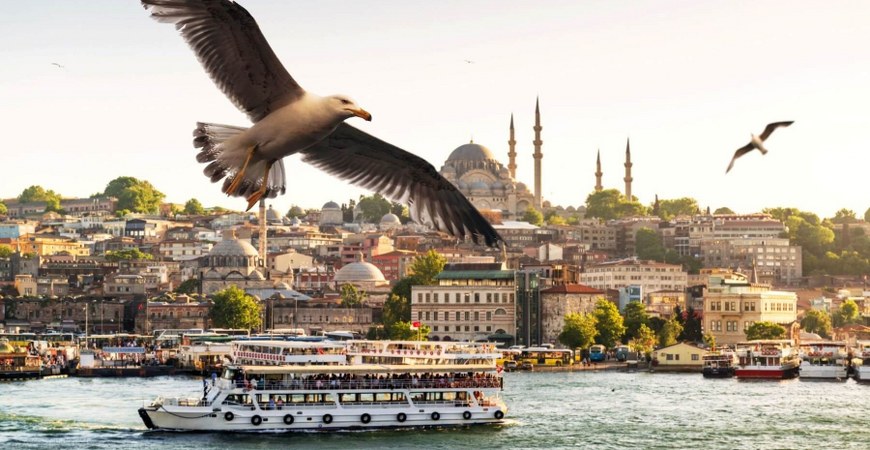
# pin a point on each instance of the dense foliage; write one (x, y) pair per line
(134, 195)
(610, 204)
(233, 308)
(193, 208)
(39, 194)
(765, 330)
(579, 331)
(609, 323)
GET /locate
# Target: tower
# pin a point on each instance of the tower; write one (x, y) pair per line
(262, 241)
(538, 155)
(512, 153)
(628, 177)
(598, 173)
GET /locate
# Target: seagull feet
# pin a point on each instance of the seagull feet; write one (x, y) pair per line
(240, 175)
(256, 196)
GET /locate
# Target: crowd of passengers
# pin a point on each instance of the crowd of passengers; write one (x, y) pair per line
(354, 381)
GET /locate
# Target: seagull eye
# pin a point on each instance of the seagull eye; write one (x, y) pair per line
(345, 101)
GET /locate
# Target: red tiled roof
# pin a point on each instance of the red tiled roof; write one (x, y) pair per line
(571, 289)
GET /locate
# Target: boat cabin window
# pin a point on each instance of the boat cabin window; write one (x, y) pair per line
(237, 399)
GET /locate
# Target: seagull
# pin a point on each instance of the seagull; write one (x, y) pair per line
(288, 119)
(757, 142)
(58, 65)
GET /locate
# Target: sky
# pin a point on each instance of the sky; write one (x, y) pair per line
(686, 81)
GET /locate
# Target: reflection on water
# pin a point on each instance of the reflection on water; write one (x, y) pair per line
(547, 410)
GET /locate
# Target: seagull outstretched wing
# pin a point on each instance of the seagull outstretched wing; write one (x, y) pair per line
(229, 45)
(772, 126)
(369, 162)
(740, 152)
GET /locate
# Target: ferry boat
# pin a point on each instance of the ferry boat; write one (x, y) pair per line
(355, 384)
(719, 363)
(824, 360)
(18, 364)
(862, 362)
(767, 359)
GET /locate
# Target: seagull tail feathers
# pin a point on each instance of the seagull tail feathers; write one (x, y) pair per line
(225, 159)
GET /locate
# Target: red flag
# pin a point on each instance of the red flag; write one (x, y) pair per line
(415, 325)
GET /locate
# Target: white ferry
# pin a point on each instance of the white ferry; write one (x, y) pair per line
(767, 359)
(824, 360)
(719, 363)
(324, 386)
(862, 362)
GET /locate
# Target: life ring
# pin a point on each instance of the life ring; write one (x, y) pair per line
(499, 414)
(327, 418)
(288, 419)
(466, 415)
(435, 415)
(256, 420)
(228, 416)
(365, 418)
(401, 417)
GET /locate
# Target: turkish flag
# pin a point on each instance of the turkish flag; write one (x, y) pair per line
(415, 325)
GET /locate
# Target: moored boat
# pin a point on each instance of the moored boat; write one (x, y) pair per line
(862, 362)
(322, 386)
(719, 363)
(18, 363)
(767, 359)
(823, 360)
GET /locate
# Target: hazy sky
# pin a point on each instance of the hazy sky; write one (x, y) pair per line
(686, 81)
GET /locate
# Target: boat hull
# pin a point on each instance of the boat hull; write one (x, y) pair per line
(811, 372)
(325, 419)
(862, 374)
(768, 373)
(718, 372)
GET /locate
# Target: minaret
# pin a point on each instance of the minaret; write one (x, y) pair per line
(512, 152)
(598, 187)
(262, 241)
(538, 155)
(628, 177)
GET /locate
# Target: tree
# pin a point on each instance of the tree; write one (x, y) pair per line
(133, 194)
(426, 267)
(691, 321)
(233, 308)
(401, 211)
(190, 286)
(609, 323)
(37, 193)
(644, 341)
(396, 309)
(686, 206)
(844, 216)
(765, 330)
(723, 210)
(351, 296)
(635, 316)
(402, 331)
(193, 208)
(847, 313)
(533, 216)
(347, 211)
(295, 211)
(710, 340)
(579, 331)
(556, 220)
(5, 251)
(648, 245)
(129, 254)
(670, 332)
(373, 207)
(816, 321)
(610, 204)
(3, 209)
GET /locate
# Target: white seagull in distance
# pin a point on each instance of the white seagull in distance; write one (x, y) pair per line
(287, 120)
(757, 142)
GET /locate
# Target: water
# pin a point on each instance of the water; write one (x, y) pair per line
(547, 410)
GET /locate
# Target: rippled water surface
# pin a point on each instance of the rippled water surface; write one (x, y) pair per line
(547, 410)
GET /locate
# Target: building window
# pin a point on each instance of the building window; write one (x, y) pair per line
(434, 315)
(457, 316)
(695, 357)
(457, 297)
(467, 298)
(476, 316)
(489, 315)
(435, 297)
(419, 297)
(489, 297)
(467, 315)
(476, 297)
(427, 297)
(427, 315)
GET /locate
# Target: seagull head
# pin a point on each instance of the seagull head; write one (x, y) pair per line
(348, 108)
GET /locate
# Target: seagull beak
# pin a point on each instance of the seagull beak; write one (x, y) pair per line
(362, 113)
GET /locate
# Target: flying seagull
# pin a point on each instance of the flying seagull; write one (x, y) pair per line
(757, 142)
(58, 65)
(287, 120)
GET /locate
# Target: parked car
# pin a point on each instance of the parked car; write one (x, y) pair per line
(510, 366)
(526, 365)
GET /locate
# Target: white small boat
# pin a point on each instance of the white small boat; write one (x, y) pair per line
(862, 362)
(824, 360)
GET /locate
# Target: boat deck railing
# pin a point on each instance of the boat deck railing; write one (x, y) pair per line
(433, 383)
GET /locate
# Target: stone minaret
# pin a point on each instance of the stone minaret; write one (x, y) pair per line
(628, 177)
(598, 187)
(262, 240)
(538, 155)
(512, 152)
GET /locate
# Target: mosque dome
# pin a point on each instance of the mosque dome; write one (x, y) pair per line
(521, 187)
(359, 271)
(282, 286)
(330, 205)
(390, 218)
(497, 184)
(471, 152)
(462, 185)
(272, 215)
(233, 247)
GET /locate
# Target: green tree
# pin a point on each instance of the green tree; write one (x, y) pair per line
(533, 216)
(723, 210)
(579, 331)
(844, 216)
(373, 207)
(670, 332)
(347, 211)
(691, 322)
(402, 289)
(765, 330)
(610, 204)
(233, 308)
(188, 287)
(37, 193)
(609, 323)
(710, 340)
(351, 296)
(635, 316)
(129, 254)
(556, 220)
(295, 211)
(847, 313)
(426, 267)
(401, 211)
(685, 206)
(644, 341)
(3, 209)
(193, 208)
(816, 321)
(396, 309)
(648, 245)
(5, 251)
(402, 331)
(133, 194)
